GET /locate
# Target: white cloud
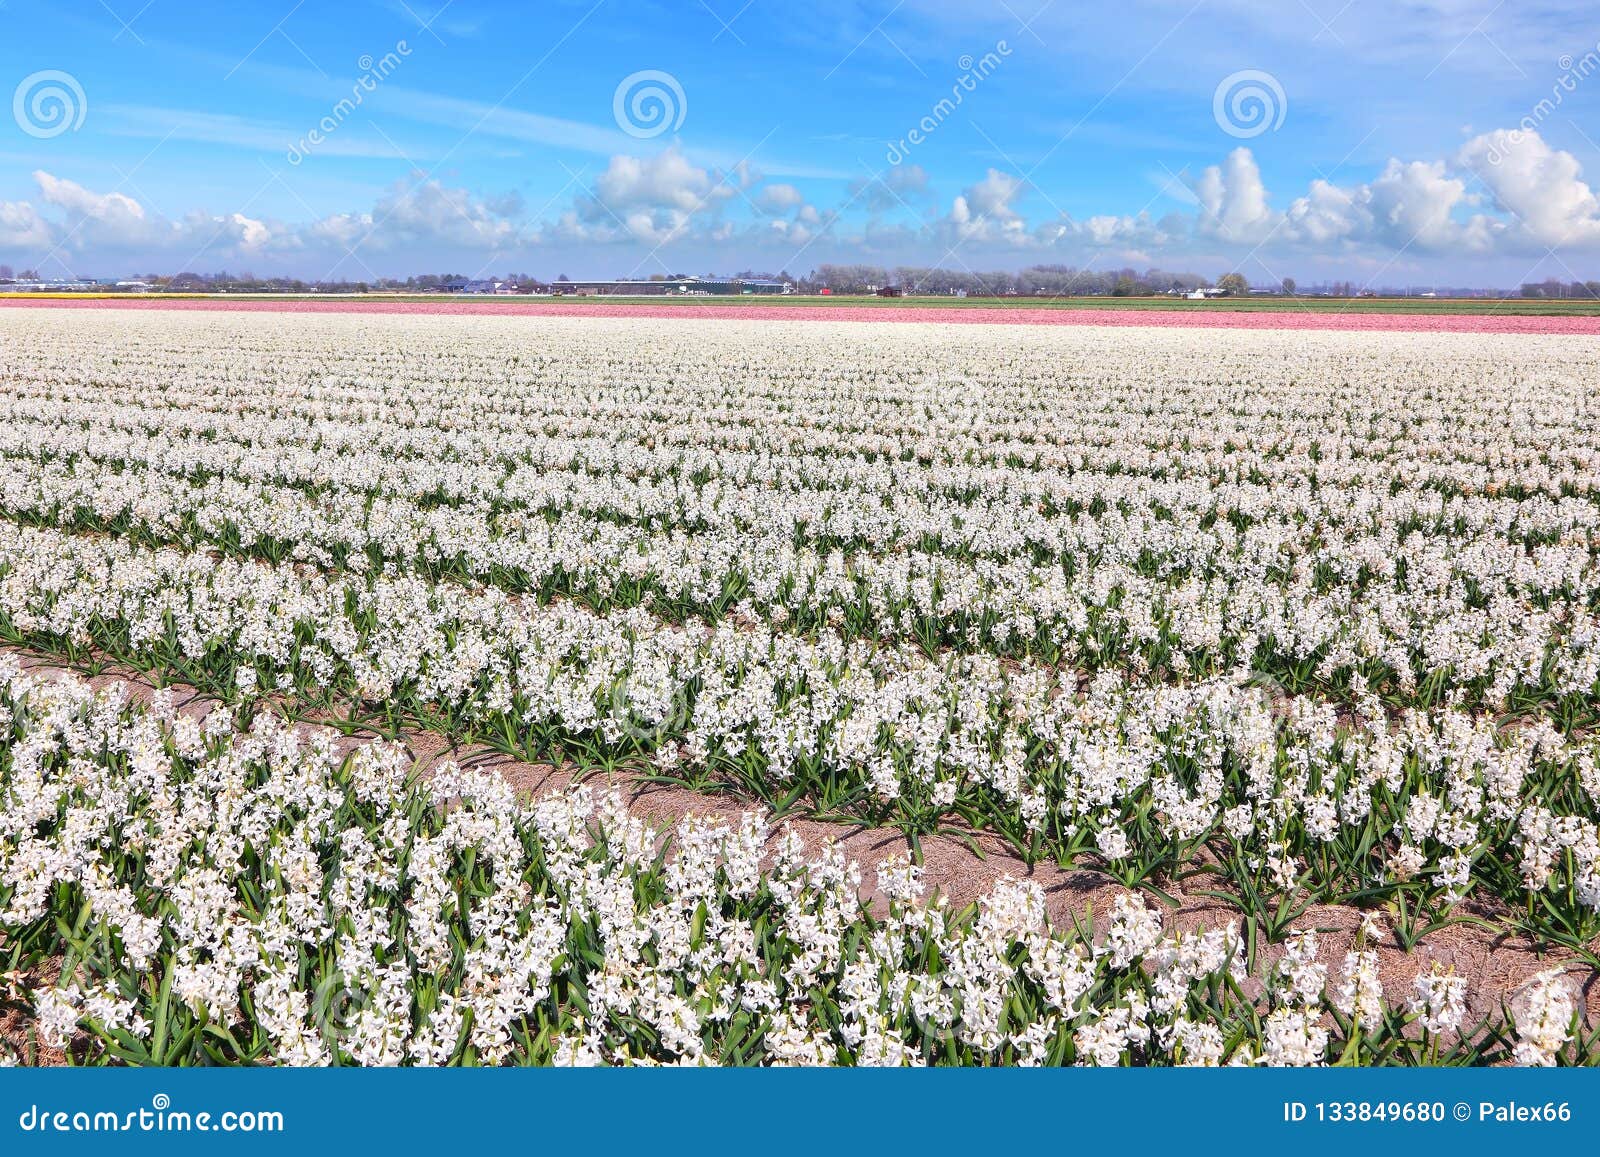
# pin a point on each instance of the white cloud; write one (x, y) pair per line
(992, 196)
(1413, 203)
(1106, 230)
(431, 212)
(111, 219)
(666, 181)
(1129, 238)
(984, 211)
(244, 235)
(1233, 201)
(1328, 214)
(115, 222)
(407, 215)
(21, 227)
(781, 197)
(1539, 186)
(1530, 197)
(648, 199)
(423, 213)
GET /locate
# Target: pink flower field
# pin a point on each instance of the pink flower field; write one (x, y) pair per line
(1002, 315)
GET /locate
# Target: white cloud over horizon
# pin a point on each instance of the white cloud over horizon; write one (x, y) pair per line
(1504, 194)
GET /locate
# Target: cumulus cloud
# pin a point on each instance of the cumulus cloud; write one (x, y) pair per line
(1537, 192)
(1504, 192)
(420, 213)
(646, 199)
(1328, 214)
(111, 219)
(668, 180)
(1127, 238)
(1140, 230)
(234, 233)
(21, 227)
(1233, 201)
(992, 196)
(408, 214)
(747, 174)
(781, 197)
(1427, 206)
(1540, 187)
(115, 222)
(1415, 203)
(985, 212)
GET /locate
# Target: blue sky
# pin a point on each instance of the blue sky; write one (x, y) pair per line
(1399, 142)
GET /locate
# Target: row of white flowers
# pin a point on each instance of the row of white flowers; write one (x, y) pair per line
(221, 896)
(873, 567)
(1330, 591)
(1134, 773)
(1416, 508)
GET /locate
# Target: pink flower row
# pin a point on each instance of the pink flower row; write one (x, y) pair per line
(1200, 317)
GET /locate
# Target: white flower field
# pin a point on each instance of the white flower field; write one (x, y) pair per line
(1292, 620)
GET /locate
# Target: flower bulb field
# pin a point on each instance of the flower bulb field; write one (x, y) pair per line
(398, 688)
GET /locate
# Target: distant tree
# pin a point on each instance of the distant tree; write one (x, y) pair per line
(1288, 286)
(1233, 284)
(562, 277)
(5, 271)
(1125, 287)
